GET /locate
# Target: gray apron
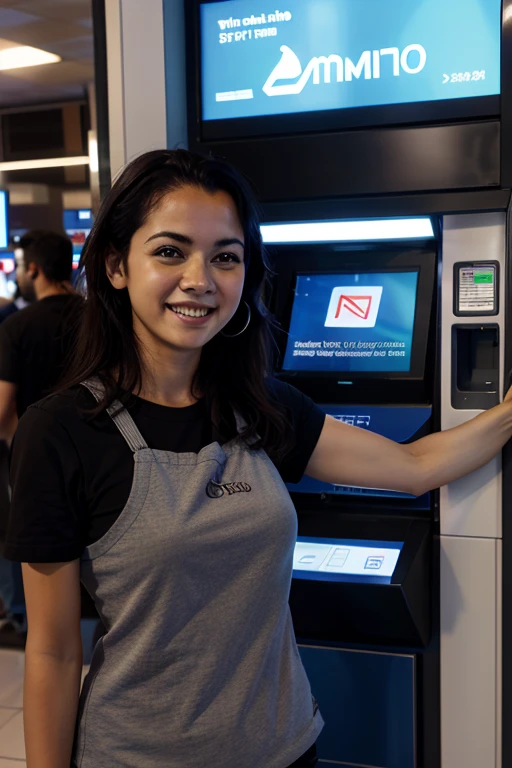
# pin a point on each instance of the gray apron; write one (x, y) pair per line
(199, 667)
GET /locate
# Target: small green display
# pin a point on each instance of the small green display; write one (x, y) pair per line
(484, 277)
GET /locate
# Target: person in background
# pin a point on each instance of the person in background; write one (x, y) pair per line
(34, 345)
(7, 581)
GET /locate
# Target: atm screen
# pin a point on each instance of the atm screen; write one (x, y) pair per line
(260, 59)
(345, 560)
(360, 323)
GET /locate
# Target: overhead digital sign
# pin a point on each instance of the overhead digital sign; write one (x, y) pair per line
(313, 55)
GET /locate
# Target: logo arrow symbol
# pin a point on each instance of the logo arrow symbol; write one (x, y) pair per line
(446, 78)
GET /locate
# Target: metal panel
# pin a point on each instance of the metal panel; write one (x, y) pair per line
(471, 506)
(469, 665)
(367, 700)
(136, 79)
(144, 76)
(371, 162)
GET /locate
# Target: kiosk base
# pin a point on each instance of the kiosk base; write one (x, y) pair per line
(367, 700)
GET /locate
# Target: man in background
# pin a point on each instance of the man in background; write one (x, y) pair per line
(35, 344)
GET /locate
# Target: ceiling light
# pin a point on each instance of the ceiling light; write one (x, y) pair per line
(49, 162)
(18, 56)
(343, 231)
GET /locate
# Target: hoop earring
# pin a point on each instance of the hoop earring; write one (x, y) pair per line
(233, 335)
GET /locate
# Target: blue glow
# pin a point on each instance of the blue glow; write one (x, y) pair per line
(4, 233)
(352, 322)
(339, 54)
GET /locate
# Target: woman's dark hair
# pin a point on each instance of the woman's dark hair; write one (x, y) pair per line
(232, 371)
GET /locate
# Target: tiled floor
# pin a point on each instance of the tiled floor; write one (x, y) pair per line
(12, 748)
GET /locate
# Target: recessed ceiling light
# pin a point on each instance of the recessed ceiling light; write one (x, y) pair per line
(14, 56)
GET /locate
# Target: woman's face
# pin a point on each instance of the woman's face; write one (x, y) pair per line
(185, 270)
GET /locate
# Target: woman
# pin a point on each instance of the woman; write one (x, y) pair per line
(156, 477)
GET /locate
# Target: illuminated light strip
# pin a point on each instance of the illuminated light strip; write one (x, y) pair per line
(50, 162)
(339, 231)
(21, 56)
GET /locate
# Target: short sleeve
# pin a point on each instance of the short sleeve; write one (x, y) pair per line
(306, 421)
(9, 355)
(46, 477)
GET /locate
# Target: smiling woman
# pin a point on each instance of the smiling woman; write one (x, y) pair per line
(180, 239)
(157, 475)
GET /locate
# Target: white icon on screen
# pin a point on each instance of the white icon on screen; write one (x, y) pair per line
(354, 307)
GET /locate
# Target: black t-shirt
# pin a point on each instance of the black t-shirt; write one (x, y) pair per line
(71, 475)
(35, 344)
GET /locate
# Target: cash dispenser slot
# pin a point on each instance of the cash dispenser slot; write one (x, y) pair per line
(475, 366)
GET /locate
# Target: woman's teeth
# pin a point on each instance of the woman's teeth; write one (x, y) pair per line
(190, 312)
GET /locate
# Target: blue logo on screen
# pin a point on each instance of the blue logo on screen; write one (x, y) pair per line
(352, 322)
(257, 60)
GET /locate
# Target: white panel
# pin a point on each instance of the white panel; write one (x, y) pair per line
(136, 79)
(471, 506)
(499, 652)
(469, 624)
(115, 86)
(144, 76)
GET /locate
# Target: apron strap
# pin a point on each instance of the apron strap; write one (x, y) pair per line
(119, 416)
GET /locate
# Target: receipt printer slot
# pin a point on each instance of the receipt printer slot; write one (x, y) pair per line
(475, 366)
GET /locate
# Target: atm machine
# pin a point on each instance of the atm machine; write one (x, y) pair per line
(362, 338)
(376, 133)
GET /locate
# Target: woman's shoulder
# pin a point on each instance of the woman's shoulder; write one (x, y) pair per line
(286, 394)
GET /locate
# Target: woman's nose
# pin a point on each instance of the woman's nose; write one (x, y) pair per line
(196, 276)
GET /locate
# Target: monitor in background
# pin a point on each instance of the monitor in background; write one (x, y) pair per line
(78, 224)
(4, 218)
(352, 322)
(342, 55)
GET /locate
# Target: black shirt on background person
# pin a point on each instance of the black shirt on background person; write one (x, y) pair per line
(35, 344)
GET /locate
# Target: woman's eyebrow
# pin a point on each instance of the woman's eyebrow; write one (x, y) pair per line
(172, 236)
(188, 241)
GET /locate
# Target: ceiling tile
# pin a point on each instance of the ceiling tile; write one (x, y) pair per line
(10, 17)
(66, 72)
(57, 10)
(76, 48)
(41, 34)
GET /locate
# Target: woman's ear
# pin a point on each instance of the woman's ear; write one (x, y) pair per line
(115, 271)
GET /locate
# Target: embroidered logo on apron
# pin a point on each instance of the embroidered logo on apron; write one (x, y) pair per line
(216, 490)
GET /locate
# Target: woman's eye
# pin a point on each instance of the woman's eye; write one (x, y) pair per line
(168, 252)
(227, 258)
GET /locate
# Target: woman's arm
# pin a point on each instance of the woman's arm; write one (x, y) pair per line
(346, 455)
(53, 662)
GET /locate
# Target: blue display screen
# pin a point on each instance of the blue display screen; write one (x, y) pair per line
(352, 322)
(312, 55)
(4, 233)
(346, 560)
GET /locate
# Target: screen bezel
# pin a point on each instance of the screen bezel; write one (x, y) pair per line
(296, 123)
(293, 260)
